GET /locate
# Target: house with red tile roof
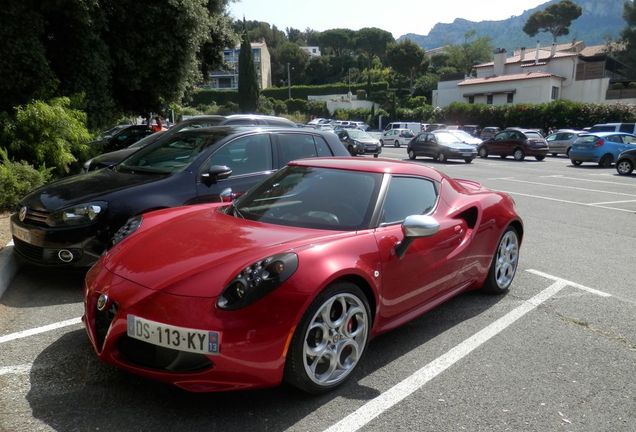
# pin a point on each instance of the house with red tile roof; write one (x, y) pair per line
(568, 71)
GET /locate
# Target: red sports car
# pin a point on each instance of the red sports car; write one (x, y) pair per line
(292, 280)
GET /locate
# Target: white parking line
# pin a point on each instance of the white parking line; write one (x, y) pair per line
(567, 201)
(38, 330)
(568, 187)
(570, 283)
(405, 388)
(15, 370)
(593, 181)
(612, 202)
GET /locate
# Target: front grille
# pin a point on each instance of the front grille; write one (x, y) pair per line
(37, 217)
(29, 251)
(103, 319)
(151, 356)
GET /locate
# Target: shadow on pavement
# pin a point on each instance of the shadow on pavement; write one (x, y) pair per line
(36, 287)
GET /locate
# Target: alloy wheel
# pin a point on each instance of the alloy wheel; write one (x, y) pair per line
(507, 259)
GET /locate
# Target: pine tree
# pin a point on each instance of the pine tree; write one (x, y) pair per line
(248, 90)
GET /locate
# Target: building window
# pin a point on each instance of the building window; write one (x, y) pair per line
(555, 93)
(471, 99)
(509, 97)
(489, 99)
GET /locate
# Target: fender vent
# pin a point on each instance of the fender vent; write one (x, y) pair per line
(470, 216)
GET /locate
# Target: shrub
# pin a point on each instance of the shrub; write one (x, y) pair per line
(17, 179)
(296, 105)
(50, 134)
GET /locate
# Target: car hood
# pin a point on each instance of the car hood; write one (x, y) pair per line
(83, 188)
(459, 146)
(367, 140)
(198, 250)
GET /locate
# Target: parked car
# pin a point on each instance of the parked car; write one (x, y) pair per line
(471, 129)
(561, 141)
(601, 147)
(489, 132)
(464, 137)
(415, 127)
(71, 222)
(360, 125)
(359, 142)
(314, 262)
(397, 137)
(120, 137)
(629, 128)
(106, 160)
(626, 161)
(441, 145)
(517, 143)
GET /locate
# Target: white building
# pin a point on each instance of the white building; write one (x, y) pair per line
(313, 51)
(570, 71)
(228, 78)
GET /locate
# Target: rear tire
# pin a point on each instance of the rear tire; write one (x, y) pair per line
(468, 160)
(504, 263)
(519, 155)
(503, 156)
(555, 154)
(624, 167)
(330, 339)
(381, 143)
(442, 157)
(539, 158)
(396, 144)
(483, 152)
(606, 161)
(576, 162)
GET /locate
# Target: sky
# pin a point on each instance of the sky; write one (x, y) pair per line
(398, 16)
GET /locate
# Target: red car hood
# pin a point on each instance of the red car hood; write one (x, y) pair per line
(198, 250)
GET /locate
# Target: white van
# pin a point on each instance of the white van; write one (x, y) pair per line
(415, 127)
(614, 127)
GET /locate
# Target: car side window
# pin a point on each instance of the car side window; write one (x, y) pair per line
(628, 139)
(295, 146)
(501, 136)
(322, 148)
(421, 138)
(626, 127)
(245, 155)
(408, 196)
(614, 139)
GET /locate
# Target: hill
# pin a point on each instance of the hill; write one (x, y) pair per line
(599, 21)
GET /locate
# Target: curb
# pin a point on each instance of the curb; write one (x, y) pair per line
(8, 267)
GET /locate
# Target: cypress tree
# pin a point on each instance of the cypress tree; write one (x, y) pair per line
(248, 90)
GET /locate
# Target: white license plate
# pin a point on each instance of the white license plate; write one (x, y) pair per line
(169, 336)
(21, 233)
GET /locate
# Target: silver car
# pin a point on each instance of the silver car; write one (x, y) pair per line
(561, 141)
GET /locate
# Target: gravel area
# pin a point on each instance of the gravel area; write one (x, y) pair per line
(5, 229)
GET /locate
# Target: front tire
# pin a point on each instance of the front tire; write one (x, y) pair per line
(624, 167)
(468, 160)
(330, 339)
(396, 144)
(381, 143)
(412, 155)
(539, 158)
(606, 161)
(442, 157)
(504, 263)
(483, 152)
(576, 162)
(519, 155)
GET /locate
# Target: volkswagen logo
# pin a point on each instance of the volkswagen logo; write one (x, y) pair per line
(102, 301)
(22, 214)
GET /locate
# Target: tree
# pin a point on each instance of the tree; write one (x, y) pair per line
(337, 41)
(465, 56)
(628, 36)
(407, 59)
(248, 90)
(555, 19)
(373, 41)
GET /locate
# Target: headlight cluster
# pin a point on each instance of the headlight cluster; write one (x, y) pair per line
(127, 229)
(258, 279)
(78, 215)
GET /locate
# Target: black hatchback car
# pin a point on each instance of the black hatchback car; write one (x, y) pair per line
(70, 222)
(120, 137)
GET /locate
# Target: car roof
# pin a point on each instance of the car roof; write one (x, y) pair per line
(238, 129)
(604, 134)
(375, 165)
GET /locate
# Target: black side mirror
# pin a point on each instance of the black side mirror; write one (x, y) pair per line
(216, 173)
(413, 227)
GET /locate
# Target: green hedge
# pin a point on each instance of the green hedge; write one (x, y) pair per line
(221, 97)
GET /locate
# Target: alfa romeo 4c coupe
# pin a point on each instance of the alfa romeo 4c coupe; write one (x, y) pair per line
(291, 281)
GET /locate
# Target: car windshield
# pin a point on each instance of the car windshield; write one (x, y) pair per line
(359, 134)
(146, 140)
(461, 134)
(447, 138)
(533, 135)
(311, 197)
(169, 156)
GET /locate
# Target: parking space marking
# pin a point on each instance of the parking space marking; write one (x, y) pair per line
(408, 386)
(612, 202)
(567, 201)
(567, 187)
(569, 283)
(592, 181)
(38, 330)
(16, 370)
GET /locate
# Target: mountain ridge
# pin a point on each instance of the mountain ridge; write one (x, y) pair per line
(599, 22)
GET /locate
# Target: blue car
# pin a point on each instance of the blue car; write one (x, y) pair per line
(601, 147)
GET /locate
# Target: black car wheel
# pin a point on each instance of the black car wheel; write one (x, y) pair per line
(396, 144)
(412, 155)
(442, 157)
(381, 143)
(503, 156)
(576, 162)
(555, 154)
(624, 167)
(519, 155)
(567, 152)
(468, 160)
(539, 158)
(375, 155)
(483, 152)
(606, 161)
(330, 339)
(351, 151)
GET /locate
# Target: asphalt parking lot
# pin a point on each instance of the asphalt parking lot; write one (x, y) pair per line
(557, 353)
